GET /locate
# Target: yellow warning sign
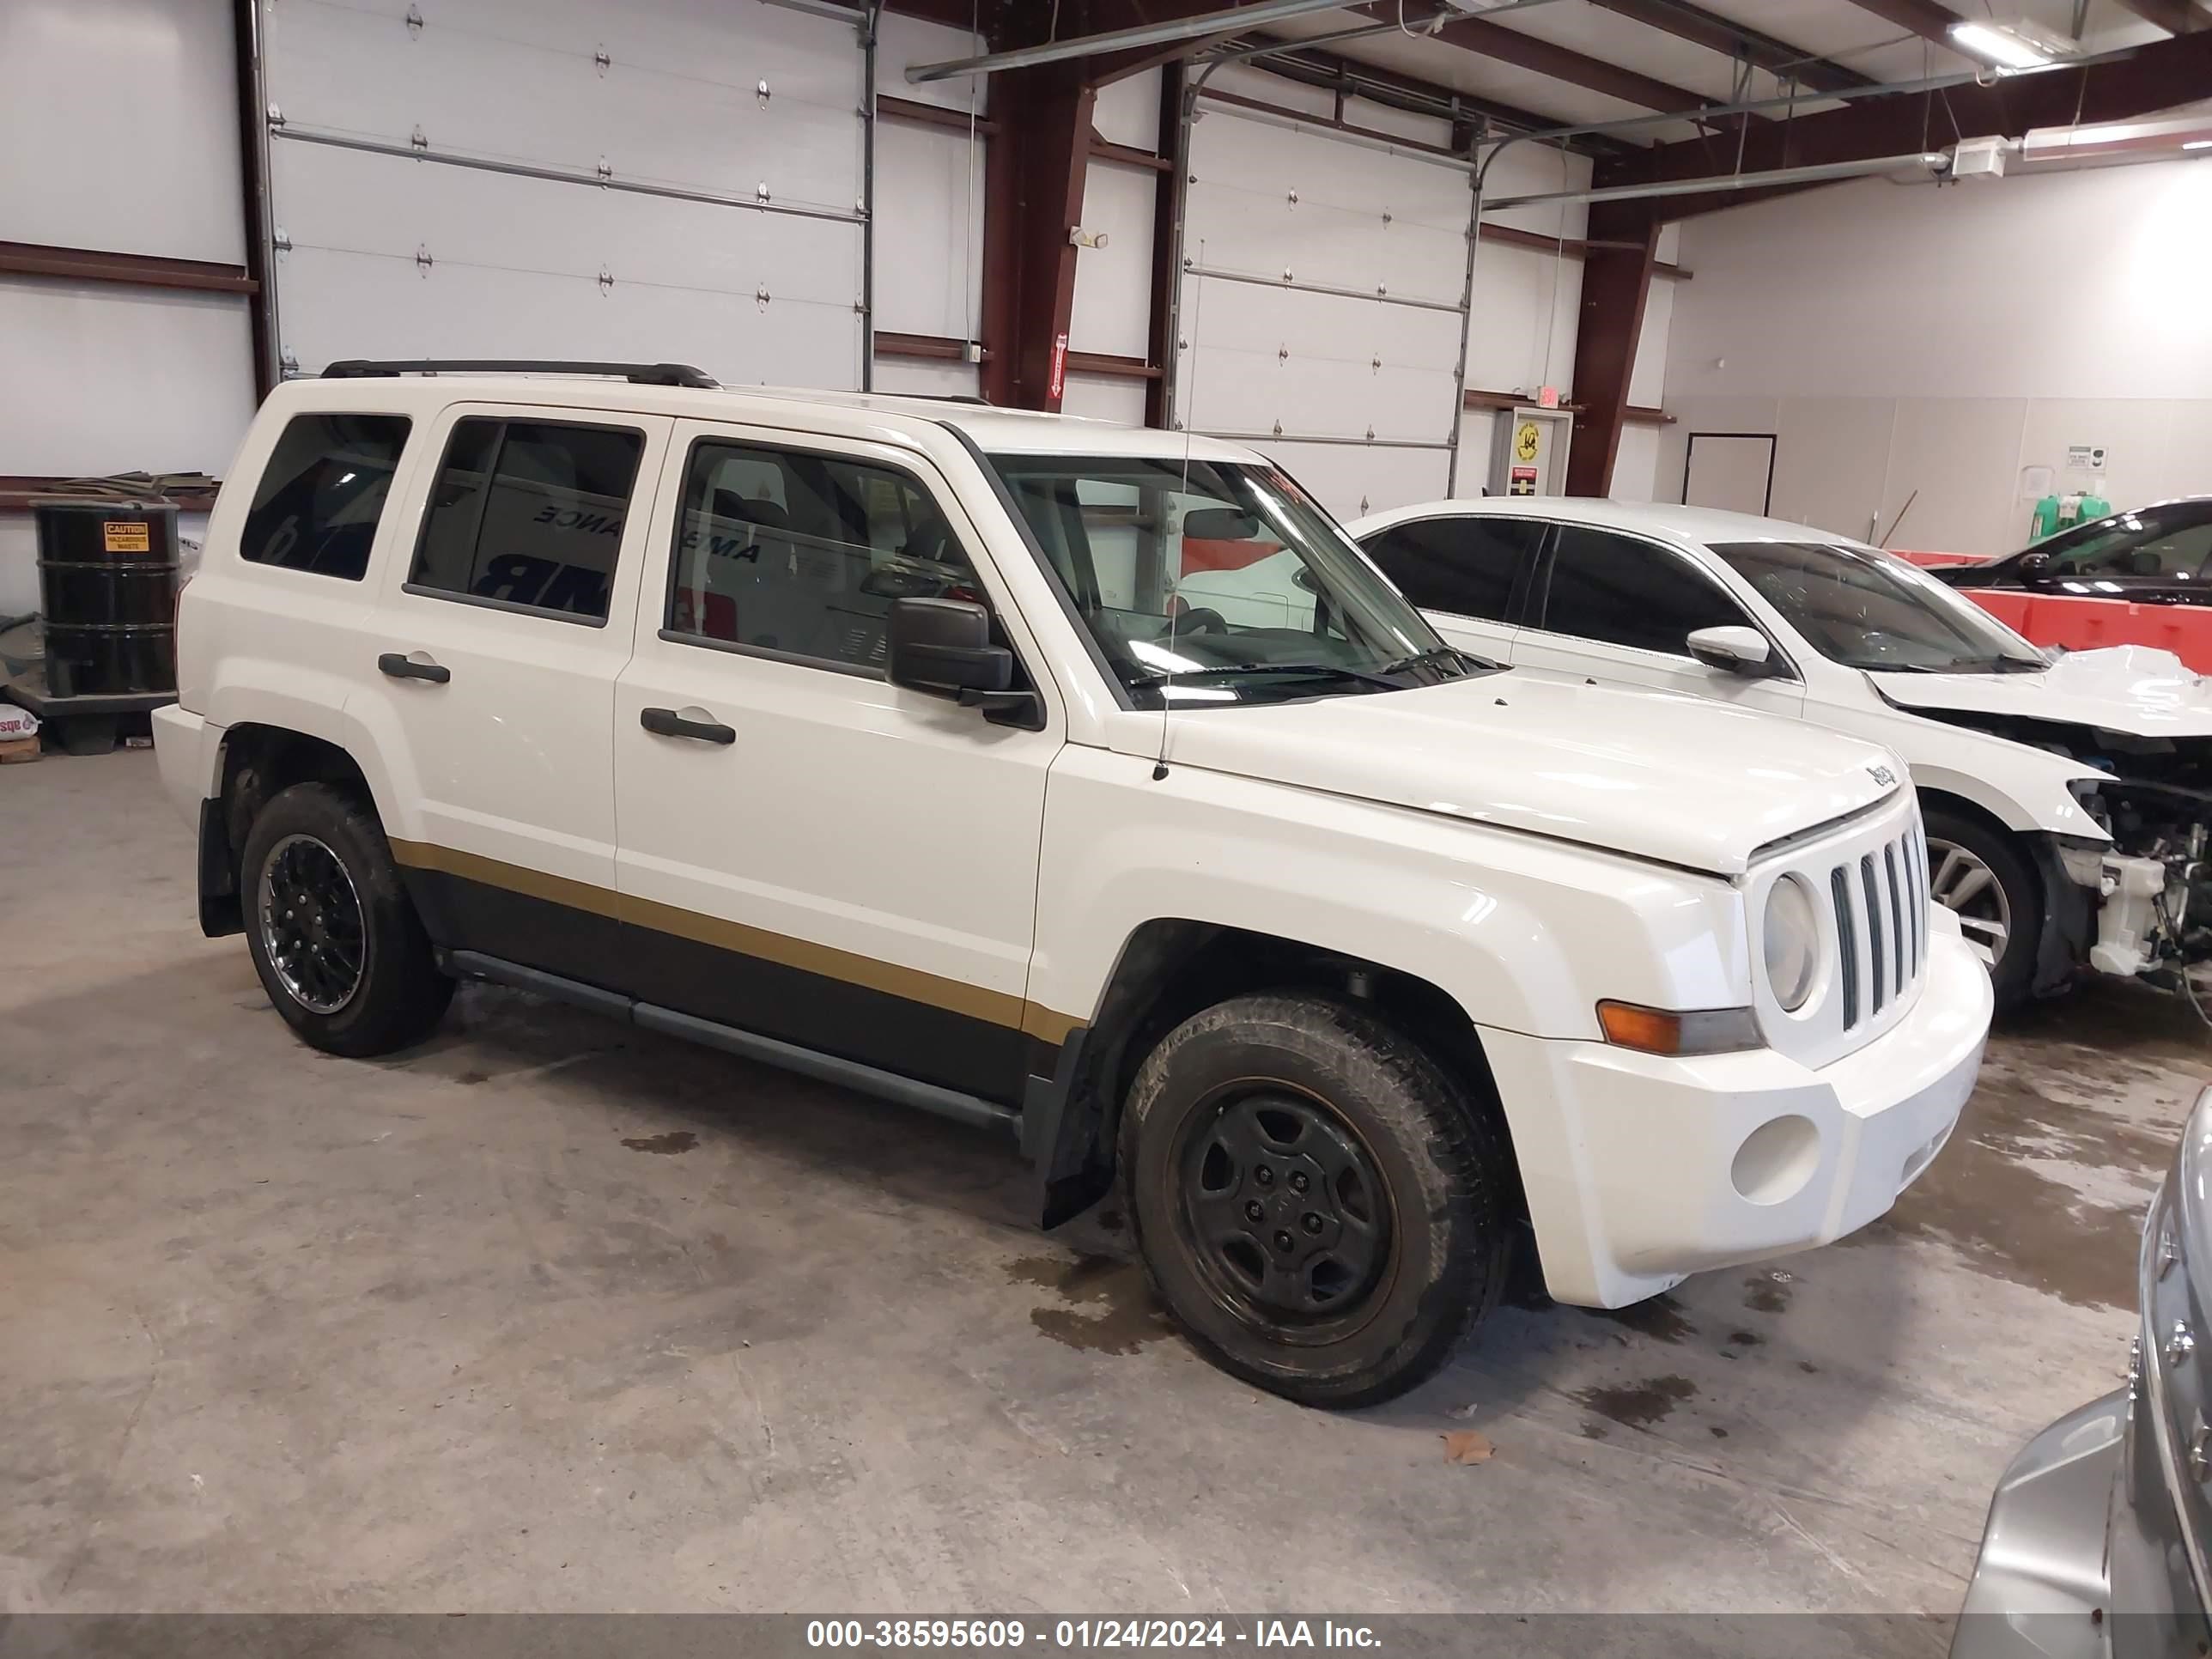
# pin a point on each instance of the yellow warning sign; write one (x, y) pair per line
(117, 537)
(1527, 441)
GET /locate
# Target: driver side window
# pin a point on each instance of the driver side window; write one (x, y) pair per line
(801, 554)
(2178, 554)
(1620, 591)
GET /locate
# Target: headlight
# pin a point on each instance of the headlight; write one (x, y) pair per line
(1793, 943)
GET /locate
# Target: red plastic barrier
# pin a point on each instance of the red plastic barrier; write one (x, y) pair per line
(2085, 624)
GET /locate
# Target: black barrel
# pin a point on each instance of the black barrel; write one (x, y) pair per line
(107, 584)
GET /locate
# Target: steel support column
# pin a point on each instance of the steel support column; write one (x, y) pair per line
(1167, 216)
(253, 174)
(1034, 175)
(1616, 283)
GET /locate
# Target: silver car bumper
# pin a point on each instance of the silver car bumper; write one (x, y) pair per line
(2093, 1547)
(2039, 1584)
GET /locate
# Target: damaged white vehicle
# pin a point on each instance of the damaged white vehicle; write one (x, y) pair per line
(2066, 795)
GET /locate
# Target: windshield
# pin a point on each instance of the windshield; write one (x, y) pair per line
(1865, 609)
(1211, 582)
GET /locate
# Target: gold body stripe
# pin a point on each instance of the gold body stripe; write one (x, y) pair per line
(955, 996)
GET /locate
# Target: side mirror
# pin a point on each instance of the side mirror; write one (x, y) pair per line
(2033, 568)
(943, 647)
(1733, 650)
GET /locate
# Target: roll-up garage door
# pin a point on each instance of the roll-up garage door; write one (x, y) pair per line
(1322, 311)
(654, 181)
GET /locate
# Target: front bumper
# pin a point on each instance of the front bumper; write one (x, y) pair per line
(1641, 1170)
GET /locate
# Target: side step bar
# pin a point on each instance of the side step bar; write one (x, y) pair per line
(971, 1110)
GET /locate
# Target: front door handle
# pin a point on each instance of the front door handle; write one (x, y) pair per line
(400, 667)
(667, 723)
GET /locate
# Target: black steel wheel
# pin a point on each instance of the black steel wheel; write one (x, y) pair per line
(334, 935)
(1324, 1210)
(1284, 1208)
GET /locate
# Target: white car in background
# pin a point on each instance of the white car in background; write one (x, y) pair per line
(2066, 796)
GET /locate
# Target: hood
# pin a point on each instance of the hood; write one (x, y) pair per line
(2132, 688)
(1677, 780)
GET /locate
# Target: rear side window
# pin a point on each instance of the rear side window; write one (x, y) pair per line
(795, 552)
(1466, 564)
(529, 514)
(322, 493)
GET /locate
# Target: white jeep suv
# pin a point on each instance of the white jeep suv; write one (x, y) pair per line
(867, 735)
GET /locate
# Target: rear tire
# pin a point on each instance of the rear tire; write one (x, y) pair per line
(2000, 894)
(1318, 1205)
(334, 935)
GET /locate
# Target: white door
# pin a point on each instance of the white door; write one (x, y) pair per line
(627, 181)
(502, 631)
(1732, 470)
(1619, 609)
(1469, 572)
(809, 853)
(1321, 308)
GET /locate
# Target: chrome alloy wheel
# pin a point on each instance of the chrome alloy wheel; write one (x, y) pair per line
(312, 927)
(1970, 889)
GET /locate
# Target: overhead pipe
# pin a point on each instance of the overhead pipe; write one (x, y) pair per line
(1932, 161)
(1798, 100)
(1144, 34)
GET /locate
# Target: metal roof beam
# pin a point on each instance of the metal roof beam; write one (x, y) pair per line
(1923, 17)
(2114, 87)
(1541, 57)
(1733, 39)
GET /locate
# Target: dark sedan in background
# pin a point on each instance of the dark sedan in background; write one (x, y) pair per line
(2142, 577)
(2153, 554)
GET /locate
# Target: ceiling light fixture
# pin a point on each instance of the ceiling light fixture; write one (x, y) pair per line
(2198, 144)
(1998, 45)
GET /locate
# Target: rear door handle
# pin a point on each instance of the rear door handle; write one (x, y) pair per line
(667, 723)
(400, 667)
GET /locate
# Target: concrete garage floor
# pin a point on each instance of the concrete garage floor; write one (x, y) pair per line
(556, 1315)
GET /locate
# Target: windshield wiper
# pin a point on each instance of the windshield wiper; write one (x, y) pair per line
(1233, 670)
(1465, 661)
(1958, 665)
(1992, 665)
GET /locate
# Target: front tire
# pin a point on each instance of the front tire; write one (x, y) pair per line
(1979, 875)
(1321, 1209)
(334, 935)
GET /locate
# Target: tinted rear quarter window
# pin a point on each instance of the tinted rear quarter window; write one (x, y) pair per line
(317, 506)
(529, 514)
(1465, 564)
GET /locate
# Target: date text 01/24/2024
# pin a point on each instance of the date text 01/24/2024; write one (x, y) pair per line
(1084, 1633)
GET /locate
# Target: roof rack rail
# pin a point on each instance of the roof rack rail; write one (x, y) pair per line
(939, 397)
(362, 368)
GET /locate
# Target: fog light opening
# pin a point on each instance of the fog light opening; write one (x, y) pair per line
(1776, 1160)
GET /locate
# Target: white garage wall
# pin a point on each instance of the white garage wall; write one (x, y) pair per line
(119, 121)
(929, 209)
(1925, 345)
